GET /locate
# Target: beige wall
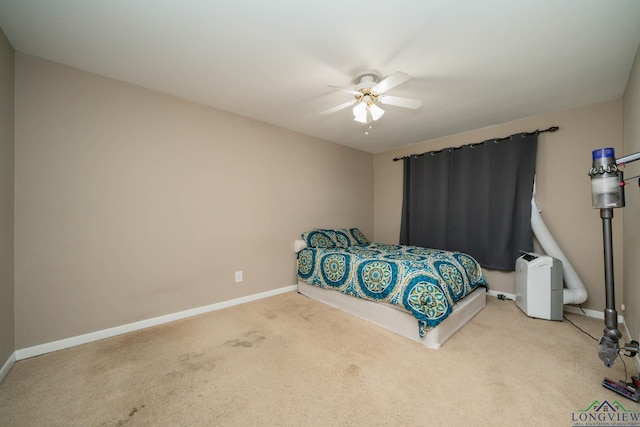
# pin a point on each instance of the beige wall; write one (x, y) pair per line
(7, 342)
(632, 210)
(563, 188)
(132, 204)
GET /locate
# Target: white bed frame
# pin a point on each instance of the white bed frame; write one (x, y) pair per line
(397, 320)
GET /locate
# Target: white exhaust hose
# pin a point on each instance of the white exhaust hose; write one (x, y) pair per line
(575, 292)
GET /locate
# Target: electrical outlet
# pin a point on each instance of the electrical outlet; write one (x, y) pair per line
(238, 276)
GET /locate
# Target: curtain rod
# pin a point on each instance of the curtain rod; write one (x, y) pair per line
(536, 132)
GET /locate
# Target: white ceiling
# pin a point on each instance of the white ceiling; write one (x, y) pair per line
(473, 63)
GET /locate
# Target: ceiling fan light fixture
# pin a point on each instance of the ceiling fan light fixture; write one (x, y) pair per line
(365, 112)
(376, 112)
(360, 113)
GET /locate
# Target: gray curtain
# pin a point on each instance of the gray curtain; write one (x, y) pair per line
(474, 199)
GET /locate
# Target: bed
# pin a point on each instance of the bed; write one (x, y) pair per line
(423, 294)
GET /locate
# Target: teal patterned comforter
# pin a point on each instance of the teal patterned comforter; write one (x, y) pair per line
(425, 282)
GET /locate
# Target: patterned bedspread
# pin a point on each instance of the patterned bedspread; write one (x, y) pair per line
(425, 282)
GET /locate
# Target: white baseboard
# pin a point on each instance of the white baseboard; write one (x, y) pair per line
(37, 350)
(7, 366)
(567, 308)
(589, 313)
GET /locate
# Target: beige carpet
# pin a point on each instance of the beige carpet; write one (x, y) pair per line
(291, 361)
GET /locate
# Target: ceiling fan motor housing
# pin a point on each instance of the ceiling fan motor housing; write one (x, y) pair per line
(366, 80)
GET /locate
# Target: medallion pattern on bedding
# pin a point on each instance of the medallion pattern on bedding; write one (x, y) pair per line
(425, 282)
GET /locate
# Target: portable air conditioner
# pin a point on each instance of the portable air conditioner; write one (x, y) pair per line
(539, 286)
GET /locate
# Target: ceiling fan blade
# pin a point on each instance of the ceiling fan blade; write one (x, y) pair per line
(400, 102)
(352, 92)
(338, 107)
(392, 81)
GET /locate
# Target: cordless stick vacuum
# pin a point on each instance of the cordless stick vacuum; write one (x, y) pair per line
(607, 193)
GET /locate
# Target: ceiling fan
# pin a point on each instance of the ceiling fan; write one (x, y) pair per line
(369, 93)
